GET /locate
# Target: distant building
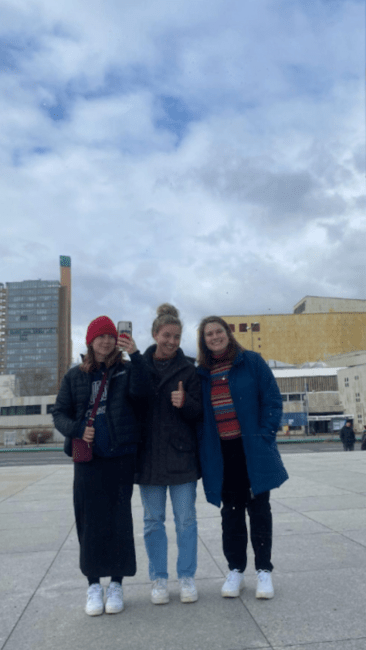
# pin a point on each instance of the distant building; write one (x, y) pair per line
(19, 416)
(310, 398)
(347, 359)
(319, 305)
(36, 330)
(352, 393)
(320, 328)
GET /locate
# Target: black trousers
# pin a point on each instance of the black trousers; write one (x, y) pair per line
(102, 503)
(237, 499)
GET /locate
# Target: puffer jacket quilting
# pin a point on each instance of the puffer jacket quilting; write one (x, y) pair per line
(127, 382)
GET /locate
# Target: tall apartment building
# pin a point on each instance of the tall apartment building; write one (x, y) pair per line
(38, 332)
(318, 329)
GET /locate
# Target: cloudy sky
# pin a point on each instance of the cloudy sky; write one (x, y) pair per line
(206, 153)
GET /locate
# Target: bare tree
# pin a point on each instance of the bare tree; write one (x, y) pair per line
(36, 381)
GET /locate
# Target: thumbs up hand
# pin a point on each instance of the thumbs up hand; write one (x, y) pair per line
(178, 396)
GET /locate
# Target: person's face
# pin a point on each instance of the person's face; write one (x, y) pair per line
(102, 346)
(168, 340)
(216, 338)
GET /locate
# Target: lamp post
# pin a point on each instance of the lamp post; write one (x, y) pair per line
(254, 327)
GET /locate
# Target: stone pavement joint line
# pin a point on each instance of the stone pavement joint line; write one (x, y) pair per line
(319, 554)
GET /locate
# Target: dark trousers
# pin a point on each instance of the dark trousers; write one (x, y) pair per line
(102, 503)
(237, 499)
(348, 446)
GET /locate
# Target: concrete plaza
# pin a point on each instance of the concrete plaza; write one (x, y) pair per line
(319, 553)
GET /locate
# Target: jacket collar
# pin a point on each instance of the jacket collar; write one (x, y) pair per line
(240, 357)
(179, 360)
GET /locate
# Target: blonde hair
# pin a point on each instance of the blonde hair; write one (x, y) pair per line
(166, 315)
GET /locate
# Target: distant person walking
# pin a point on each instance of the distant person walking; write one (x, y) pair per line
(168, 459)
(347, 435)
(103, 485)
(239, 458)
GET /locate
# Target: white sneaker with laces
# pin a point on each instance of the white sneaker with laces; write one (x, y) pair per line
(159, 592)
(114, 602)
(188, 590)
(94, 600)
(264, 585)
(233, 584)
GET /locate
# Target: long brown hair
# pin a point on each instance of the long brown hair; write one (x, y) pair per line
(204, 354)
(90, 364)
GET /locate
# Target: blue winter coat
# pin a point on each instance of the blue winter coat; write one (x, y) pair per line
(258, 405)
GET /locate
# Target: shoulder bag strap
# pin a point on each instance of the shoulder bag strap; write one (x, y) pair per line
(96, 403)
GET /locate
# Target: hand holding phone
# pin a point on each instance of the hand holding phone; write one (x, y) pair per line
(124, 327)
(125, 340)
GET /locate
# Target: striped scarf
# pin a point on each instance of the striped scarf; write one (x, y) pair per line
(225, 415)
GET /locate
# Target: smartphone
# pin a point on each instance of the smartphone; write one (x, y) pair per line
(124, 327)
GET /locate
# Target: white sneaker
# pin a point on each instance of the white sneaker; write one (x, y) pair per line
(159, 592)
(188, 590)
(264, 585)
(94, 601)
(114, 602)
(233, 584)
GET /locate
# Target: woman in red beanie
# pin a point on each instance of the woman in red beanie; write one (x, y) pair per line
(103, 486)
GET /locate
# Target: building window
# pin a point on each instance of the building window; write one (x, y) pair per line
(255, 327)
(359, 417)
(346, 382)
(295, 397)
(50, 408)
(357, 377)
(232, 327)
(243, 327)
(24, 317)
(31, 409)
(284, 398)
(358, 399)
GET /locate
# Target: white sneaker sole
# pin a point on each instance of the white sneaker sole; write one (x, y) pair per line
(160, 600)
(189, 599)
(232, 593)
(264, 595)
(94, 612)
(113, 610)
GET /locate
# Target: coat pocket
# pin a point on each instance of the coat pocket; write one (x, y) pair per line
(181, 454)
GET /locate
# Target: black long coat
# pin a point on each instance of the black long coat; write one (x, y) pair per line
(168, 453)
(347, 435)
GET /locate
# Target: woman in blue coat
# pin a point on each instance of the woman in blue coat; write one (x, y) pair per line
(239, 458)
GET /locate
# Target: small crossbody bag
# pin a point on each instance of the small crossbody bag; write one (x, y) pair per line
(82, 451)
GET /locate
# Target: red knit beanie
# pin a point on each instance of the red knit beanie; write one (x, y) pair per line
(98, 327)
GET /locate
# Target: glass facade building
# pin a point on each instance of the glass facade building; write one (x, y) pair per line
(35, 331)
(31, 335)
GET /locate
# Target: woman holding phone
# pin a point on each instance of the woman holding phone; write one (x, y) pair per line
(239, 458)
(103, 486)
(169, 456)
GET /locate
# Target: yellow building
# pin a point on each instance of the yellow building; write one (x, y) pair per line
(305, 336)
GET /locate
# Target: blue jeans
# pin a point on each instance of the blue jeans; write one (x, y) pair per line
(183, 498)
